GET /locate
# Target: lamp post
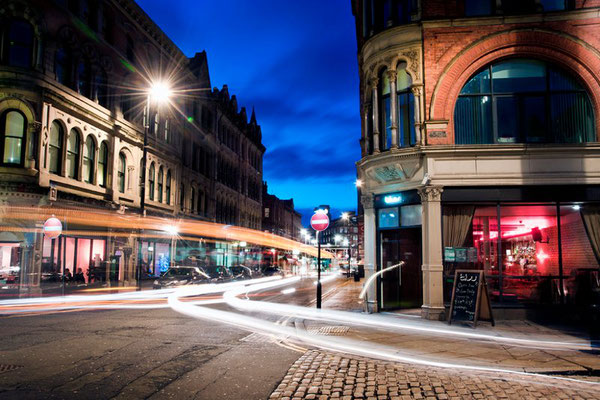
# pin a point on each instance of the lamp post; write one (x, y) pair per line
(346, 217)
(160, 93)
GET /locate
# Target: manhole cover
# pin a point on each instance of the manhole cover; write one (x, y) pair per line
(7, 367)
(329, 330)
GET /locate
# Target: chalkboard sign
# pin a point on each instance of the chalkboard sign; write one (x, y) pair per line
(470, 299)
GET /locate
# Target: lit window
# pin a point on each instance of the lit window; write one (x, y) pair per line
(121, 172)
(14, 124)
(55, 148)
(73, 154)
(88, 160)
(160, 184)
(523, 101)
(151, 182)
(102, 164)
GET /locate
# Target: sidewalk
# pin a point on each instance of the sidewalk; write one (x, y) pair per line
(321, 375)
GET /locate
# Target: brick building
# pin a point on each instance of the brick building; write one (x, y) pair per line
(279, 216)
(480, 149)
(74, 80)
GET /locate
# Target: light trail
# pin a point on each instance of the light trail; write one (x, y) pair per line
(349, 346)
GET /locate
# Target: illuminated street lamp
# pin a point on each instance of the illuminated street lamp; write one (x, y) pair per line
(358, 183)
(159, 93)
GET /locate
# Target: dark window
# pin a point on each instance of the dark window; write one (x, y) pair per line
(406, 108)
(168, 188)
(385, 112)
(151, 182)
(63, 66)
(160, 184)
(102, 164)
(523, 101)
(89, 153)
(73, 154)
(121, 172)
(101, 89)
(182, 197)
(14, 126)
(129, 50)
(18, 44)
(55, 148)
(84, 79)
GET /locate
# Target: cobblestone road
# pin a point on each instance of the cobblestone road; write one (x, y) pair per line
(322, 375)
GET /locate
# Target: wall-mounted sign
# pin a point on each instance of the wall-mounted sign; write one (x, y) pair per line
(392, 199)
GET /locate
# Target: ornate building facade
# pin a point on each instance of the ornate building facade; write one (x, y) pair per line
(74, 80)
(480, 149)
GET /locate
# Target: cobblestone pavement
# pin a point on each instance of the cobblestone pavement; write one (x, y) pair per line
(323, 375)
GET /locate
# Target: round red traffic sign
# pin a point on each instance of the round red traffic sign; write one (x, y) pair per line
(319, 222)
(52, 227)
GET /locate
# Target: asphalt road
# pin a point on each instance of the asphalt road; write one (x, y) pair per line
(140, 354)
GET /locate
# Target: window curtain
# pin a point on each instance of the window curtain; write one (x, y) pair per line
(591, 220)
(457, 222)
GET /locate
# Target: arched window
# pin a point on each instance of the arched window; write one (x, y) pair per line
(102, 164)
(161, 178)
(84, 78)
(63, 66)
(55, 146)
(192, 200)
(406, 107)
(166, 131)
(73, 154)
(151, 182)
(182, 197)
(121, 172)
(168, 188)
(89, 153)
(523, 101)
(14, 127)
(385, 112)
(17, 48)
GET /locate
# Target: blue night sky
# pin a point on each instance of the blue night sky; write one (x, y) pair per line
(295, 62)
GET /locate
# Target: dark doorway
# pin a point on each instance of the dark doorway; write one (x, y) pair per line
(404, 291)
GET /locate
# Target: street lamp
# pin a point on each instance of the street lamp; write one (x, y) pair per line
(358, 183)
(158, 92)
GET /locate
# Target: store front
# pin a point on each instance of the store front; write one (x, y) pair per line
(399, 240)
(534, 251)
(155, 257)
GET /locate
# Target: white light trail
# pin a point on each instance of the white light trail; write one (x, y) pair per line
(287, 291)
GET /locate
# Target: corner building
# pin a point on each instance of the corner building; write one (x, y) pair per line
(480, 150)
(74, 80)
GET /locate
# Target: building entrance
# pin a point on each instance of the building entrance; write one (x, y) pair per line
(401, 288)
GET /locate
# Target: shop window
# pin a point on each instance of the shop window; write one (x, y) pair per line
(14, 126)
(523, 101)
(389, 217)
(17, 48)
(55, 146)
(580, 232)
(121, 172)
(102, 164)
(151, 182)
(89, 153)
(411, 215)
(73, 154)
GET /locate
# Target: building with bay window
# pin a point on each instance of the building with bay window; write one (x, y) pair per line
(480, 150)
(74, 77)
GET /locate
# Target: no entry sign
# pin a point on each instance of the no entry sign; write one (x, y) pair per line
(52, 228)
(319, 222)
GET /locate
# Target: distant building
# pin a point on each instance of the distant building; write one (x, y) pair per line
(342, 235)
(280, 217)
(480, 150)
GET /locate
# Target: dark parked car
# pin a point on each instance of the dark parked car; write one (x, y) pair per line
(176, 276)
(217, 273)
(240, 272)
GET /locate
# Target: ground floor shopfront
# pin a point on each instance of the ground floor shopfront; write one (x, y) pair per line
(537, 245)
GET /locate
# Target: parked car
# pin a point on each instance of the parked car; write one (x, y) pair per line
(217, 273)
(240, 272)
(180, 275)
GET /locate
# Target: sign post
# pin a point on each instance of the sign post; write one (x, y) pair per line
(319, 222)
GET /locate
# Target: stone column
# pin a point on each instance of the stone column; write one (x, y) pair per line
(417, 93)
(374, 84)
(433, 299)
(367, 134)
(393, 108)
(370, 243)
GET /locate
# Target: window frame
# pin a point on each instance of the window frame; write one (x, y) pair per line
(7, 46)
(59, 148)
(73, 172)
(122, 172)
(151, 172)
(89, 156)
(4, 137)
(102, 161)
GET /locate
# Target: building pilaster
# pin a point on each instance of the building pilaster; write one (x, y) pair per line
(433, 290)
(374, 85)
(370, 243)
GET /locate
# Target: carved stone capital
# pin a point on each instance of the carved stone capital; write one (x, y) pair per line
(392, 74)
(367, 200)
(417, 91)
(35, 126)
(431, 193)
(374, 82)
